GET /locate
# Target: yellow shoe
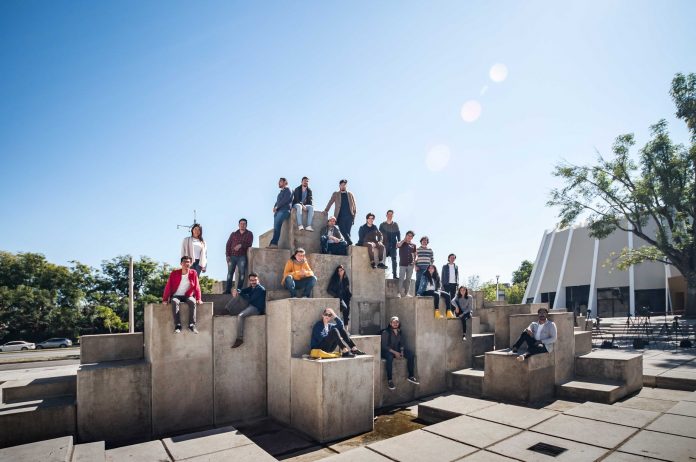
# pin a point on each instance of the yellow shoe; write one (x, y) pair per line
(321, 354)
(450, 315)
(437, 314)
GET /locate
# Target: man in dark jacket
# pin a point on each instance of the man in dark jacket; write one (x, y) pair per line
(281, 210)
(255, 294)
(332, 241)
(393, 347)
(450, 276)
(302, 200)
(344, 210)
(371, 237)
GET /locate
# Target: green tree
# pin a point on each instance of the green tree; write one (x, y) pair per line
(522, 274)
(656, 190)
(515, 293)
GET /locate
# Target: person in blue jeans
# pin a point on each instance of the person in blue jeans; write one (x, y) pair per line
(393, 347)
(281, 211)
(297, 275)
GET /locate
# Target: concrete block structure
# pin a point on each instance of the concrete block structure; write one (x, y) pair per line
(111, 347)
(268, 264)
(507, 379)
(324, 267)
(181, 368)
(371, 344)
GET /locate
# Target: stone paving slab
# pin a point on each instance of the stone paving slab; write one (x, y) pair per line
(420, 446)
(677, 379)
(647, 404)
(562, 406)
(447, 407)
(474, 432)
(665, 394)
(205, 442)
(53, 450)
(625, 457)
(687, 408)
(614, 414)
(515, 416)
(152, 451)
(485, 456)
(675, 425)
(661, 446)
(690, 397)
(357, 455)
(517, 447)
(246, 453)
(603, 434)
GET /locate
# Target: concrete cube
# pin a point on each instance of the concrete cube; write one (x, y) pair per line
(507, 379)
(113, 401)
(324, 267)
(367, 284)
(583, 342)
(626, 368)
(457, 351)
(332, 398)
(182, 369)
(269, 265)
(371, 344)
(367, 317)
(405, 391)
(111, 347)
(392, 287)
(308, 240)
(240, 373)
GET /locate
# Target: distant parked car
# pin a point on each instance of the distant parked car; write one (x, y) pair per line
(17, 345)
(54, 343)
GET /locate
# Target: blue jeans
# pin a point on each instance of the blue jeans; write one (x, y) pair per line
(278, 219)
(420, 270)
(239, 263)
(305, 284)
(298, 213)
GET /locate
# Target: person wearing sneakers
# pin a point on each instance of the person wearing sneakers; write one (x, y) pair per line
(255, 294)
(328, 334)
(393, 347)
(332, 241)
(182, 286)
(430, 285)
(344, 210)
(424, 258)
(539, 336)
(450, 276)
(463, 305)
(392, 235)
(407, 260)
(371, 237)
(297, 275)
(302, 200)
(281, 211)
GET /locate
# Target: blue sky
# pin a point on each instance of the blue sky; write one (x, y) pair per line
(118, 119)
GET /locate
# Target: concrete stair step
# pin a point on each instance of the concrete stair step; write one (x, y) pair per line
(600, 391)
(52, 450)
(466, 381)
(36, 420)
(481, 343)
(89, 452)
(16, 391)
(479, 362)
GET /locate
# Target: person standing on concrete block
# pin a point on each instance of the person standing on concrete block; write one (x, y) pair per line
(370, 236)
(255, 294)
(194, 246)
(450, 276)
(424, 258)
(392, 235)
(430, 286)
(393, 347)
(236, 253)
(297, 275)
(328, 334)
(339, 287)
(281, 211)
(407, 260)
(301, 201)
(182, 286)
(332, 241)
(539, 336)
(463, 305)
(344, 210)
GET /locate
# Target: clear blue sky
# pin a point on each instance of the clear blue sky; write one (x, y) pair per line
(118, 119)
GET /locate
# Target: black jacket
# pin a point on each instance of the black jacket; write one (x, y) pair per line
(297, 196)
(340, 288)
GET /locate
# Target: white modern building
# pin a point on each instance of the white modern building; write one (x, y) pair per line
(575, 271)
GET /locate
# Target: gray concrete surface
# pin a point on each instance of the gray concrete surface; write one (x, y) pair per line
(53, 450)
(420, 445)
(152, 451)
(530, 381)
(89, 452)
(371, 344)
(111, 347)
(268, 264)
(204, 442)
(37, 420)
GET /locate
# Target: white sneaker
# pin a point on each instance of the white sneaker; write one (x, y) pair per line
(300, 228)
(309, 228)
(398, 295)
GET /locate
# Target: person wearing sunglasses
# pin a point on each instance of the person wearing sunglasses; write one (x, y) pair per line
(539, 336)
(328, 334)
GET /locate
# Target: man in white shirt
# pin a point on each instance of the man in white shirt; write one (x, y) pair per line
(450, 276)
(539, 336)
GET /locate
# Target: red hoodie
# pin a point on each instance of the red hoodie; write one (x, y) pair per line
(174, 281)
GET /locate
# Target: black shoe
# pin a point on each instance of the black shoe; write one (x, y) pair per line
(177, 329)
(390, 385)
(412, 379)
(514, 349)
(373, 265)
(382, 266)
(238, 342)
(192, 328)
(348, 354)
(358, 352)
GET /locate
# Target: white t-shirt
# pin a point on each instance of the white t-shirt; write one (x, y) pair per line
(430, 285)
(537, 335)
(184, 286)
(452, 274)
(197, 249)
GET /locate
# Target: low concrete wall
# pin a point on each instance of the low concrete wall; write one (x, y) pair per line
(583, 342)
(367, 317)
(497, 319)
(182, 370)
(457, 351)
(269, 265)
(240, 373)
(507, 379)
(111, 347)
(308, 240)
(371, 344)
(113, 401)
(613, 365)
(332, 398)
(368, 284)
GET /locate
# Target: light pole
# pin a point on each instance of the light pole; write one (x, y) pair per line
(497, 294)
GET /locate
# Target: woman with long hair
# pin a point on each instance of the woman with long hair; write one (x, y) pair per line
(430, 285)
(463, 304)
(194, 246)
(339, 287)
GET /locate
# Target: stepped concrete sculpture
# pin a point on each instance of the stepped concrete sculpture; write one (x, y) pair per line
(507, 379)
(371, 344)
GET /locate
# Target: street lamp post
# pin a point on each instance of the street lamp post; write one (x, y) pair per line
(497, 294)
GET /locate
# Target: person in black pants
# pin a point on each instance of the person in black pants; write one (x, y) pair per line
(540, 336)
(430, 286)
(339, 287)
(450, 276)
(344, 210)
(329, 334)
(393, 347)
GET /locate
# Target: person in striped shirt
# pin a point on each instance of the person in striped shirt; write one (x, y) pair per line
(424, 258)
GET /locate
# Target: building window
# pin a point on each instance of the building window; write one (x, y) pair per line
(613, 302)
(548, 297)
(577, 298)
(652, 299)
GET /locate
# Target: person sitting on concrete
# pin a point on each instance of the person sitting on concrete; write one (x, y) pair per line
(344, 210)
(302, 200)
(236, 253)
(195, 247)
(281, 211)
(393, 347)
(424, 258)
(371, 237)
(328, 334)
(463, 305)
(297, 275)
(539, 336)
(430, 286)
(182, 286)
(255, 294)
(407, 260)
(450, 276)
(339, 287)
(332, 241)
(392, 235)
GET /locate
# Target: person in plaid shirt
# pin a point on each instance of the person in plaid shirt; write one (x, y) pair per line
(236, 252)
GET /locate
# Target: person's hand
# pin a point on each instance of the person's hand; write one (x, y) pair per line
(234, 293)
(274, 210)
(397, 355)
(529, 332)
(238, 246)
(199, 302)
(202, 270)
(540, 344)
(228, 260)
(302, 272)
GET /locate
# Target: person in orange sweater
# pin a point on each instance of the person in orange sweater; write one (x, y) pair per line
(297, 275)
(182, 286)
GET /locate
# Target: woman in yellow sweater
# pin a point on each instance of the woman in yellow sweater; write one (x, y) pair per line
(297, 275)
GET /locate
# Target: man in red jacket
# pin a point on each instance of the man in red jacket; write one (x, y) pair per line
(183, 289)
